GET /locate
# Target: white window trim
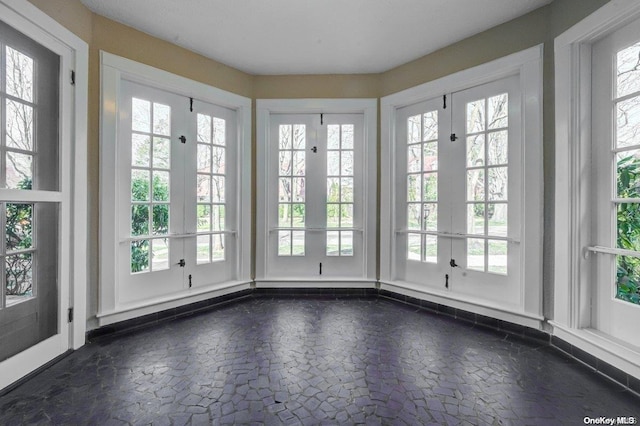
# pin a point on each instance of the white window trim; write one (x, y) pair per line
(572, 288)
(368, 107)
(74, 55)
(528, 64)
(113, 70)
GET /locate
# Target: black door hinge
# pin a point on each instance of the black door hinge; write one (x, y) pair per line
(453, 137)
(446, 281)
(321, 119)
(189, 280)
(70, 315)
(73, 78)
(444, 101)
(183, 139)
(182, 263)
(320, 268)
(191, 104)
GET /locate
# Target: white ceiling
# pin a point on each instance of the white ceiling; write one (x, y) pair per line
(313, 36)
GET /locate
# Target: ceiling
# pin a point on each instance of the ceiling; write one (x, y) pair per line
(268, 37)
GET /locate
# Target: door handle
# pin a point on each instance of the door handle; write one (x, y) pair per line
(453, 263)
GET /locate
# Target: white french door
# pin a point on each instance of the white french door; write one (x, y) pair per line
(315, 197)
(177, 198)
(616, 189)
(458, 184)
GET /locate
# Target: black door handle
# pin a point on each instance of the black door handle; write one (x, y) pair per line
(453, 263)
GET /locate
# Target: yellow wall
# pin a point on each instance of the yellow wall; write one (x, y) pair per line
(539, 26)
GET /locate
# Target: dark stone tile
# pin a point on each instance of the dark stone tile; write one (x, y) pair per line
(426, 304)
(561, 344)
(634, 384)
(447, 310)
(537, 335)
(466, 315)
(585, 357)
(612, 372)
(512, 328)
(487, 321)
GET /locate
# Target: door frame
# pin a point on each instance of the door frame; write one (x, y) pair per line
(528, 65)
(113, 70)
(74, 56)
(367, 107)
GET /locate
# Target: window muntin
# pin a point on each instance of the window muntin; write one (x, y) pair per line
(340, 184)
(291, 189)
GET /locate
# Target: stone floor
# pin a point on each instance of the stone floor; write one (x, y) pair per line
(315, 361)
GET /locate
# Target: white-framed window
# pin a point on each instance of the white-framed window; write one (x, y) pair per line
(175, 185)
(43, 190)
(462, 189)
(316, 192)
(595, 248)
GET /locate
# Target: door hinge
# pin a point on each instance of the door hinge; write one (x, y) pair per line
(446, 281)
(191, 104)
(453, 137)
(189, 280)
(444, 101)
(321, 119)
(183, 139)
(73, 78)
(182, 263)
(320, 268)
(70, 315)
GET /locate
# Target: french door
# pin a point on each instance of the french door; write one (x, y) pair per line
(315, 196)
(458, 185)
(177, 203)
(616, 189)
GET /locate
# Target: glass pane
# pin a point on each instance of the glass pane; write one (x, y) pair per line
(475, 116)
(346, 190)
(284, 215)
(140, 185)
(160, 219)
(333, 190)
(628, 122)
(203, 249)
(430, 162)
(204, 158)
(498, 177)
(19, 278)
(297, 215)
(217, 218)
(217, 253)
(298, 189)
(414, 242)
(203, 191)
(139, 219)
(19, 75)
(628, 279)
(162, 119)
(285, 136)
(203, 217)
(159, 254)
(346, 216)
(333, 243)
(333, 163)
(430, 187)
(498, 149)
(297, 248)
(299, 136)
(413, 158)
(204, 129)
(161, 153)
(628, 70)
(628, 182)
(160, 186)
(628, 217)
(498, 219)
(475, 218)
(285, 163)
(475, 150)
(140, 115)
(475, 185)
(346, 243)
(19, 170)
(347, 136)
(498, 111)
(413, 129)
(333, 136)
(140, 150)
(475, 254)
(19, 219)
(219, 131)
(219, 160)
(347, 163)
(299, 166)
(430, 214)
(333, 215)
(284, 243)
(431, 248)
(19, 125)
(140, 256)
(414, 216)
(414, 187)
(430, 126)
(284, 190)
(497, 257)
(217, 189)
